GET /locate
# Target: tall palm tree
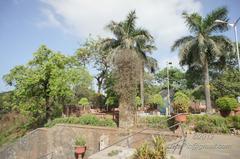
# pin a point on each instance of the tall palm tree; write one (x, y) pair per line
(128, 36)
(203, 47)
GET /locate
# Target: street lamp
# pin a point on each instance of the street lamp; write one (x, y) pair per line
(168, 88)
(233, 25)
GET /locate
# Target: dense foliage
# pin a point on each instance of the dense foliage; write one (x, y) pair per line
(82, 120)
(153, 121)
(46, 83)
(181, 103)
(156, 100)
(213, 123)
(158, 151)
(80, 141)
(226, 103)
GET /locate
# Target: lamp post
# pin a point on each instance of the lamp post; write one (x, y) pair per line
(233, 25)
(168, 88)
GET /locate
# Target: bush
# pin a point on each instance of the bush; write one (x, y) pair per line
(158, 151)
(226, 103)
(80, 141)
(156, 100)
(213, 123)
(181, 103)
(154, 121)
(233, 122)
(83, 120)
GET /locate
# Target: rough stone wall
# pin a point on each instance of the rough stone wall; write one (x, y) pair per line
(31, 146)
(58, 142)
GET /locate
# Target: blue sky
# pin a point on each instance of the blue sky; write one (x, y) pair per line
(63, 24)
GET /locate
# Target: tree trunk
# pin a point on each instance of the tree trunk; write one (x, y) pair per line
(207, 87)
(48, 108)
(142, 83)
(126, 115)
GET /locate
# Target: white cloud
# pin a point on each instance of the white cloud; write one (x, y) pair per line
(83, 17)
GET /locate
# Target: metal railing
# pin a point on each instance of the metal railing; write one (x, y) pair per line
(183, 136)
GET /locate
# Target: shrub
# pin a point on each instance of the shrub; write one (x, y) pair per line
(226, 103)
(233, 122)
(181, 103)
(83, 120)
(80, 141)
(213, 123)
(156, 100)
(158, 151)
(138, 101)
(154, 121)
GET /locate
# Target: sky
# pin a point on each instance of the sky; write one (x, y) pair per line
(63, 25)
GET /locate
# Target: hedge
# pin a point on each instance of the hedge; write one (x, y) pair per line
(82, 120)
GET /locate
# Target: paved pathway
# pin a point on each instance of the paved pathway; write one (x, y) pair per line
(210, 146)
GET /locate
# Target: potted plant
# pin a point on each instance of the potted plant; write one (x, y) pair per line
(181, 103)
(80, 146)
(226, 105)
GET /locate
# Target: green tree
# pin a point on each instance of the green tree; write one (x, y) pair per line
(203, 47)
(111, 102)
(138, 101)
(128, 36)
(45, 82)
(227, 84)
(84, 102)
(94, 52)
(177, 80)
(6, 102)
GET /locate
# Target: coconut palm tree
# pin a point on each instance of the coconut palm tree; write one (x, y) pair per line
(203, 47)
(128, 36)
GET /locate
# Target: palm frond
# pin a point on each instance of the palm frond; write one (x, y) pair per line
(181, 42)
(224, 44)
(109, 43)
(116, 29)
(193, 21)
(130, 22)
(209, 23)
(140, 33)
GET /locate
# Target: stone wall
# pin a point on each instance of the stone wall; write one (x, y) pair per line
(58, 142)
(31, 146)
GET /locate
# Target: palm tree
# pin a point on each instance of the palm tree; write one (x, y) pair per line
(128, 36)
(202, 47)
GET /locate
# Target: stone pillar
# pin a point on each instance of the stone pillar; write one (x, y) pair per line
(104, 142)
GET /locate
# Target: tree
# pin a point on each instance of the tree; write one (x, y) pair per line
(138, 101)
(126, 67)
(202, 48)
(6, 102)
(46, 81)
(227, 84)
(84, 102)
(177, 79)
(128, 36)
(92, 51)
